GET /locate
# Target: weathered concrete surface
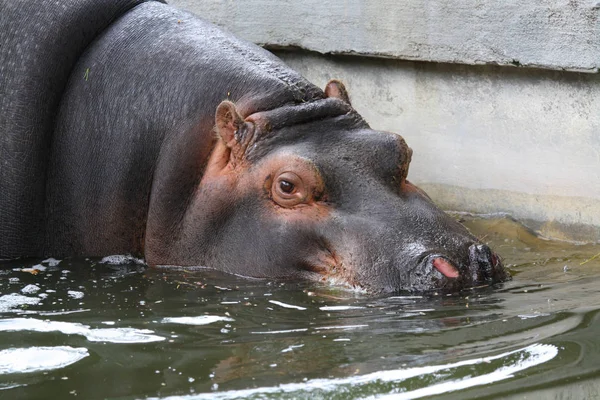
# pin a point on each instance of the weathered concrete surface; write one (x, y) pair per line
(486, 139)
(555, 34)
(557, 217)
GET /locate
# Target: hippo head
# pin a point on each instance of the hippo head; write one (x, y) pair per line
(309, 191)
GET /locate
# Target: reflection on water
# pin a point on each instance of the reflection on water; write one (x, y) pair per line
(79, 327)
(507, 364)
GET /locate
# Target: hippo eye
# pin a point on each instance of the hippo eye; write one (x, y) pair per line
(286, 187)
(289, 190)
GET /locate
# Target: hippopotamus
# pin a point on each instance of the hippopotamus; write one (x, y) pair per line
(131, 127)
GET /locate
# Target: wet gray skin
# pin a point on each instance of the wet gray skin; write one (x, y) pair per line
(163, 137)
(365, 225)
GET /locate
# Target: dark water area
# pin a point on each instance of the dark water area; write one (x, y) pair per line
(91, 330)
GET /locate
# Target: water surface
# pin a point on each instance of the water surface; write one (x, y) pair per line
(81, 328)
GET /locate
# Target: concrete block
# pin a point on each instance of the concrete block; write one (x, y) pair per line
(554, 34)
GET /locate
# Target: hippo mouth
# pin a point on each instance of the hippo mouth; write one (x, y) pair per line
(433, 272)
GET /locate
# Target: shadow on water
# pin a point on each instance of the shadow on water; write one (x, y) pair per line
(94, 330)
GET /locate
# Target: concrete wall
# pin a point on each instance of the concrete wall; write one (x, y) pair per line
(486, 138)
(557, 34)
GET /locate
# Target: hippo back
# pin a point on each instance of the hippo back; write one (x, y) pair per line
(40, 43)
(98, 98)
(134, 138)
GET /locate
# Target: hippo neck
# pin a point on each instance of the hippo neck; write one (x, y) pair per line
(297, 89)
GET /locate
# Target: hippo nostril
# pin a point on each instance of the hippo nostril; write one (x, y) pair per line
(495, 260)
(482, 259)
(447, 269)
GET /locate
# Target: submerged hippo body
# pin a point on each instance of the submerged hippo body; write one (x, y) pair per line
(133, 127)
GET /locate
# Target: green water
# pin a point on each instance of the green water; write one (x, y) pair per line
(81, 329)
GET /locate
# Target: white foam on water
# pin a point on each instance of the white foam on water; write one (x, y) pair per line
(343, 327)
(340, 308)
(6, 386)
(75, 294)
(37, 325)
(529, 316)
(52, 262)
(343, 285)
(282, 331)
(30, 289)
(121, 259)
(285, 305)
(533, 355)
(199, 320)
(66, 312)
(529, 357)
(292, 347)
(9, 302)
(122, 335)
(110, 335)
(32, 359)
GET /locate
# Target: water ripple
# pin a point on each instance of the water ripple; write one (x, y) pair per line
(507, 363)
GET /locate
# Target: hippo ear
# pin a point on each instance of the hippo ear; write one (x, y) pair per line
(228, 121)
(335, 88)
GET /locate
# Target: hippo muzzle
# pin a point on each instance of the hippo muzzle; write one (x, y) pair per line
(399, 241)
(481, 268)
